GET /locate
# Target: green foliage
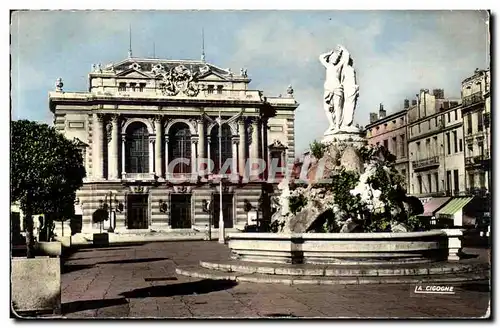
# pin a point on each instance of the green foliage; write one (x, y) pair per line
(317, 149)
(296, 203)
(341, 186)
(46, 170)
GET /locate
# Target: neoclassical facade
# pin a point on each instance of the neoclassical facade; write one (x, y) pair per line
(149, 134)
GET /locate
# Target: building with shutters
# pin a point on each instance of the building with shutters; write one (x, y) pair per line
(148, 129)
(390, 131)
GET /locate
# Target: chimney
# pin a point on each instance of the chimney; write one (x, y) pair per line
(373, 117)
(414, 102)
(381, 111)
(438, 93)
(407, 104)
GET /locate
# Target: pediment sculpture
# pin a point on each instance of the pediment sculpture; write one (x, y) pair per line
(180, 80)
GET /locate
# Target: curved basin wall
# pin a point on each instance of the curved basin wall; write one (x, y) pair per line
(340, 248)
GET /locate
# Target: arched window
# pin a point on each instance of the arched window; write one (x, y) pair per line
(180, 146)
(137, 148)
(225, 143)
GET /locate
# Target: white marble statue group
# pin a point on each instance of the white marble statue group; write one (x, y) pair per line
(341, 91)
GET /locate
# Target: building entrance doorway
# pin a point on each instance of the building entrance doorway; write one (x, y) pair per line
(180, 211)
(227, 210)
(137, 211)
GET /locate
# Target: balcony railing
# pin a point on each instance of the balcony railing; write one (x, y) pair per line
(138, 176)
(472, 99)
(482, 161)
(427, 162)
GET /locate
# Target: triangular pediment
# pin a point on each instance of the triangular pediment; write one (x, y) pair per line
(133, 73)
(212, 77)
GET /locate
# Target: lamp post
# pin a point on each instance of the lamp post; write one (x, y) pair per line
(221, 215)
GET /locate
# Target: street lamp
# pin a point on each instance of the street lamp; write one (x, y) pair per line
(221, 217)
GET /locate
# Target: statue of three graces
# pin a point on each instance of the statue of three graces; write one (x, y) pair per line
(341, 91)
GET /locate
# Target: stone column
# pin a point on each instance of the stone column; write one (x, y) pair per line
(151, 154)
(158, 166)
(113, 149)
(234, 159)
(97, 146)
(201, 138)
(254, 147)
(242, 147)
(165, 138)
(124, 139)
(194, 142)
(264, 151)
(209, 140)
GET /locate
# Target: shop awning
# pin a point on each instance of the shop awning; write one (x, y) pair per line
(454, 206)
(434, 204)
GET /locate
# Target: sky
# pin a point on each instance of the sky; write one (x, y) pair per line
(396, 53)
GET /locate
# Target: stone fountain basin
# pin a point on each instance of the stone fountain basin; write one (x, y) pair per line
(340, 248)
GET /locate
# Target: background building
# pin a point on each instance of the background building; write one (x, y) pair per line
(435, 146)
(476, 121)
(391, 132)
(141, 115)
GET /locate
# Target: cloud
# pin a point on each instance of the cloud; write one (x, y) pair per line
(438, 50)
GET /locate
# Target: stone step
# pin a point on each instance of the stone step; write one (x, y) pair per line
(204, 273)
(311, 270)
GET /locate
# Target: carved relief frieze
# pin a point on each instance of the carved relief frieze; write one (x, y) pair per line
(179, 80)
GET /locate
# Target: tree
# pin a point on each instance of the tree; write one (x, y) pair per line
(46, 171)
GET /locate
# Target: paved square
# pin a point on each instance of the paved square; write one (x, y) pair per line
(140, 281)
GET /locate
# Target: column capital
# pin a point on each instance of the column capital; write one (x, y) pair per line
(109, 130)
(166, 138)
(194, 139)
(156, 118)
(100, 117)
(124, 138)
(194, 122)
(114, 118)
(152, 139)
(235, 140)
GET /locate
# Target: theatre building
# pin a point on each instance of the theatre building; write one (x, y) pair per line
(143, 126)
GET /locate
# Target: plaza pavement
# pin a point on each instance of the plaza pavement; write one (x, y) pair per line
(139, 281)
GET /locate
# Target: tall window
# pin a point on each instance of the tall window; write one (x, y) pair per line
(428, 147)
(448, 181)
(419, 179)
(418, 154)
(469, 123)
(395, 146)
(225, 143)
(403, 145)
(456, 115)
(179, 146)
(480, 145)
(448, 143)
(455, 141)
(137, 148)
(429, 181)
(480, 121)
(461, 146)
(436, 181)
(386, 144)
(448, 117)
(456, 185)
(482, 179)
(471, 180)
